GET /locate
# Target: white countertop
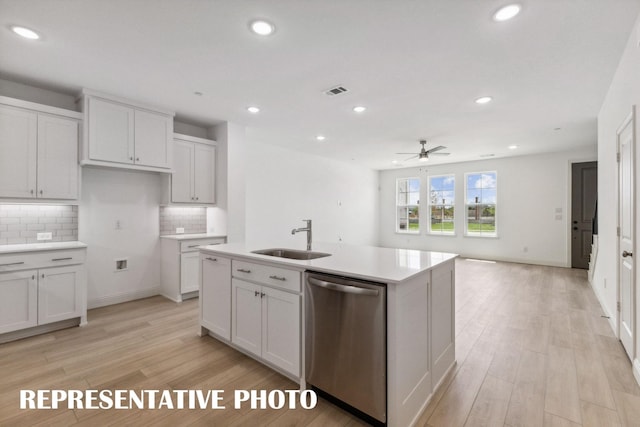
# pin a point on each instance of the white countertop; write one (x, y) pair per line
(191, 236)
(386, 265)
(35, 247)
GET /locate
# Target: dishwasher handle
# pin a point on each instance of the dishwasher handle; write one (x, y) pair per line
(343, 288)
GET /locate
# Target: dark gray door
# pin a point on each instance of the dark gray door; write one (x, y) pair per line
(584, 193)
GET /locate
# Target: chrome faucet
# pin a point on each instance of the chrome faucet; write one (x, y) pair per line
(308, 230)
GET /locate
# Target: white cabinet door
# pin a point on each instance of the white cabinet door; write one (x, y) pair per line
(189, 274)
(204, 173)
(18, 148)
(442, 319)
(215, 295)
(60, 293)
(246, 316)
(281, 329)
(111, 131)
(57, 157)
(18, 300)
(153, 134)
(182, 176)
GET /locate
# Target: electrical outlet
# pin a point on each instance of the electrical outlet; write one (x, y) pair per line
(44, 236)
(180, 230)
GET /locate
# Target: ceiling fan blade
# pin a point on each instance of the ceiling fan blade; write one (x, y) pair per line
(439, 154)
(438, 148)
(412, 157)
(407, 153)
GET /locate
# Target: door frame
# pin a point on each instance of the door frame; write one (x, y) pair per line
(568, 208)
(630, 118)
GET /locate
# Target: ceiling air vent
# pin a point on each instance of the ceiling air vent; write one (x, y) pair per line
(335, 91)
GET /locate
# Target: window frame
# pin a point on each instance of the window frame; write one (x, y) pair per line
(480, 234)
(430, 205)
(397, 206)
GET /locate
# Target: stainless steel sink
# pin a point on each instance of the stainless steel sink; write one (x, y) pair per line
(291, 253)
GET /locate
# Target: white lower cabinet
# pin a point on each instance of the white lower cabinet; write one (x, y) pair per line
(266, 322)
(189, 272)
(34, 291)
(215, 295)
(60, 293)
(180, 270)
(257, 307)
(18, 300)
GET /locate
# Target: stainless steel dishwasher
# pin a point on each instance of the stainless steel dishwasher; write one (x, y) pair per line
(346, 345)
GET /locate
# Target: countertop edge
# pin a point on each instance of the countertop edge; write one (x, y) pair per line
(40, 247)
(302, 265)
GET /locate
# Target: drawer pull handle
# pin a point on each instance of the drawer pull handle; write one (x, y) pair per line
(62, 259)
(274, 277)
(242, 270)
(12, 263)
(193, 246)
(212, 259)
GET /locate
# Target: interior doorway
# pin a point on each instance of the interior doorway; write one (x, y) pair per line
(626, 233)
(584, 195)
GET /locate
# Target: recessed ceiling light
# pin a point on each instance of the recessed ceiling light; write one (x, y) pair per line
(197, 93)
(25, 32)
(359, 109)
(262, 27)
(557, 128)
(253, 110)
(320, 137)
(513, 147)
(506, 12)
(484, 100)
(395, 162)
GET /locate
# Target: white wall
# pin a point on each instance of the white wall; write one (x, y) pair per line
(38, 95)
(133, 198)
(284, 187)
(623, 93)
(530, 189)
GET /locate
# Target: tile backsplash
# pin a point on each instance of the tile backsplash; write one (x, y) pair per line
(193, 220)
(21, 223)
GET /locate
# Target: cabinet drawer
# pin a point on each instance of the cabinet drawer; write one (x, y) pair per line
(192, 245)
(30, 260)
(266, 274)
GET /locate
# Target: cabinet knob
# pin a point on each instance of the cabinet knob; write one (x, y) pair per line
(137, 159)
(131, 158)
(31, 191)
(41, 192)
(255, 293)
(262, 295)
(33, 277)
(43, 275)
(197, 198)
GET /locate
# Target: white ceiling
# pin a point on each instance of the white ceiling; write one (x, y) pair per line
(416, 65)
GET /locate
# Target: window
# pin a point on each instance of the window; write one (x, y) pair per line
(441, 204)
(481, 203)
(407, 212)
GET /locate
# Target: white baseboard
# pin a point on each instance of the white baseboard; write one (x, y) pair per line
(122, 297)
(636, 370)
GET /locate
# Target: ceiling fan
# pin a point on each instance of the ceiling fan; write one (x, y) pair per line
(423, 155)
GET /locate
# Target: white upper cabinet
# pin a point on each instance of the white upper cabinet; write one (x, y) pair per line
(153, 133)
(194, 176)
(182, 177)
(18, 148)
(204, 173)
(125, 134)
(57, 157)
(111, 131)
(38, 151)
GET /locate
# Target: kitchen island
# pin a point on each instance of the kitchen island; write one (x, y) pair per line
(255, 303)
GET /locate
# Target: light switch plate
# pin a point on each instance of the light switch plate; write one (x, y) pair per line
(44, 236)
(180, 230)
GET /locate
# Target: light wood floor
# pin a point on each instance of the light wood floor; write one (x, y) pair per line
(532, 349)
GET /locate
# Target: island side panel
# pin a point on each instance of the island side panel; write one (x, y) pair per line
(443, 342)
(408, 352)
